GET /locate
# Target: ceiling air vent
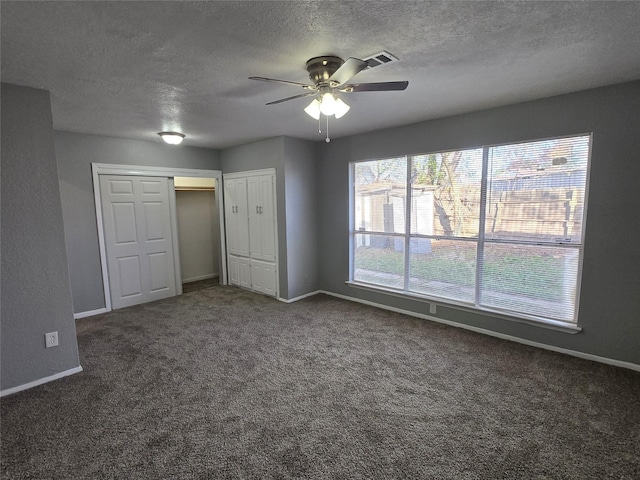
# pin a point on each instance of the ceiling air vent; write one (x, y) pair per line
(379, 59)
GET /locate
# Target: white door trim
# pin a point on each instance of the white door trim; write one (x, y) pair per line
(98, 169)
(174, 236)
(251, 173)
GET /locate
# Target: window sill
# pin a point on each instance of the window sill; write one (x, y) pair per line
(537, 322)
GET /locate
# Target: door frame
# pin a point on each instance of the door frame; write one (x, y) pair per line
(98, 169)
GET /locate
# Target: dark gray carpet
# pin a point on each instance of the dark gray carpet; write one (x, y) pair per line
(200, 284)
(222, 383)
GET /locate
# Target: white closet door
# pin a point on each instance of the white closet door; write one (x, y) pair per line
(267, 218)
(229, 214)
(138, 238)
(262, 218)
(237, 216)
(255, 231)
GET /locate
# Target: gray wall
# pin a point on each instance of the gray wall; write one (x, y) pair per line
(255, 156)
(36, 297)
(75, 153)
(610, 299)
(198, 234)
(301, 215)
(312, 201)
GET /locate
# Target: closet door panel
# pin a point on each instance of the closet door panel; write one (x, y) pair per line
(257, 280)
(230, 196)
(242, 218)
(269, 279)
(136, 216)
(245, 272)
(235, 191)
(234, 270)
(255, 230)
(267, 218)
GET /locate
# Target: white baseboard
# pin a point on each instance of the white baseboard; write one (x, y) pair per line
(201, 277)
(573, 353)
(35, 383)
(291, 300)
(89, 313)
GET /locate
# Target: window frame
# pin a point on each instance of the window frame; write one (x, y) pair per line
(480, 241)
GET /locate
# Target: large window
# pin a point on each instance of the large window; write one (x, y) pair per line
(498, 228)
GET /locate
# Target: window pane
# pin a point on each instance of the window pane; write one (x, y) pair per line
(379, 259)
(380, 195)
(443, 268)
(446, 193)
(536, 280)
(535, 197)
(536, 190)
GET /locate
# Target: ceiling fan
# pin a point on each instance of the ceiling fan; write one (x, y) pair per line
(330, 76)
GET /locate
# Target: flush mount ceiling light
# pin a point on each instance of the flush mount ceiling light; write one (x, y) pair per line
(330, 75)
(172, 138)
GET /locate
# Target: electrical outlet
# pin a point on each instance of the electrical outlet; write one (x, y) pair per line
(51, 339)
(432, 308)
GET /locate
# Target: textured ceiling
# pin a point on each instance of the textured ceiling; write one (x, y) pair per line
(132, 69)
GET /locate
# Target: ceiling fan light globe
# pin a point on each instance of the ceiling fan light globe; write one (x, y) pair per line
(313, 109)
(328, 104)
(341, 108)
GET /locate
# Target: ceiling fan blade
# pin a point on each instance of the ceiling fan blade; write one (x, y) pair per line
(302, 95)
(347, 70)
(287, 82)
(374, 87)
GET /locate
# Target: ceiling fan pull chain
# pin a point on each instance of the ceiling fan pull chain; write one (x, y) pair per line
(327, 139)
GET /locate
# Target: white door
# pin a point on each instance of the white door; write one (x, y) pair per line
(236, 215)
(262, 218)
(255, 232)
(138, 238)
(267, 218)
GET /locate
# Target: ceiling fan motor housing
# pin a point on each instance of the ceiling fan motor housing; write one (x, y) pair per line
(321, 68)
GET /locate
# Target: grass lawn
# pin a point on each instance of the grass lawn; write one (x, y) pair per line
(532, 272)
